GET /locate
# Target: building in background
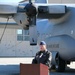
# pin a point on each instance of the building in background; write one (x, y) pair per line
(15, 41)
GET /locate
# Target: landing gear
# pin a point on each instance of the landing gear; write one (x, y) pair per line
(57, 62)
(60, 64)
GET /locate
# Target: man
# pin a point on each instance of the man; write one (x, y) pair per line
(43, 56)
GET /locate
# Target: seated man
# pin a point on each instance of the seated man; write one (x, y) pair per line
(43, 56)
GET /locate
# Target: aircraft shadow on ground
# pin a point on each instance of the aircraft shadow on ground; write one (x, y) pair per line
(68, 71)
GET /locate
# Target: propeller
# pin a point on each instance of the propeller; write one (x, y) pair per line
(30, 1)
(31, 12)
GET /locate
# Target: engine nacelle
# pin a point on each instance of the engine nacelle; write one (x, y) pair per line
(22, 20)
(51, 11)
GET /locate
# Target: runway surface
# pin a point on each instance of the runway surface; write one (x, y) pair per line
(11, 66)
(67, 72)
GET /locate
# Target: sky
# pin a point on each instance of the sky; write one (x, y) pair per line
(10, 1)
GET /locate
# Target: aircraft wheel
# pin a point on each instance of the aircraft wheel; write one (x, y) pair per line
(60, 64)
(53, 67)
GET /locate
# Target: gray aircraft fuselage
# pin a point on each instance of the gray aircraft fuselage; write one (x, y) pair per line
(59, 34)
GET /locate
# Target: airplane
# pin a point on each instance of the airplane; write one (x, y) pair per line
(55, 25)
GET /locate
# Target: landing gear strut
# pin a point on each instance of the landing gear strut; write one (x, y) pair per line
(60, 64)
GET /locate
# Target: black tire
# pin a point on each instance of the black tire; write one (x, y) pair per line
(60, 64)
(53, 67)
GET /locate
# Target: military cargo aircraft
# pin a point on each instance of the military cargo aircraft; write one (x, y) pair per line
(54, 22)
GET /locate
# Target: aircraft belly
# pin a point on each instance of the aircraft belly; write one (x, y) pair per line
(63, 44)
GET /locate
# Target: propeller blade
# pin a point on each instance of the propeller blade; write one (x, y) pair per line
(30, 1)
(33, 31)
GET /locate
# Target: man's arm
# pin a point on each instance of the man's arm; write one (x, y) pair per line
(49, 58)
(34, 61)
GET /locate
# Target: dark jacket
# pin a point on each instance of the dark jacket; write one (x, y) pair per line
(43, 57)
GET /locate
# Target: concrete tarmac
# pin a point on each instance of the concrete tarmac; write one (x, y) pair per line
(70, 70)
(11, 66)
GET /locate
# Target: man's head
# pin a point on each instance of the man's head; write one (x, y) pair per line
(42, 46)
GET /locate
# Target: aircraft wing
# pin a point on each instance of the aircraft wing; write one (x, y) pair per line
(14, 11)
(26, 14)
(8, 9)
(41, 1)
